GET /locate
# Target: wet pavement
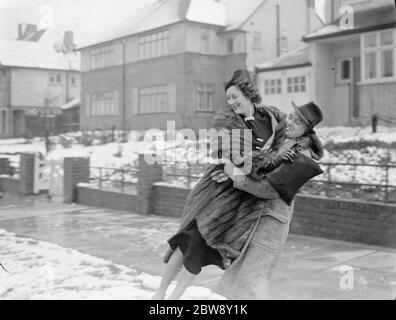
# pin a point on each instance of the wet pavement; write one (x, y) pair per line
(310, 268)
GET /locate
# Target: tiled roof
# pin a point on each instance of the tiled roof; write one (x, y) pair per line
(229, 14)
(364, 20)
(292, 59)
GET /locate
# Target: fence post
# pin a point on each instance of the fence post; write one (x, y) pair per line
(148, 174)
(26, 173)
(76, 170)
(386, 182)
(122, 180)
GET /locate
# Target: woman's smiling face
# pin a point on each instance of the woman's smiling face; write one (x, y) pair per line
(238, 102)
(295, 127)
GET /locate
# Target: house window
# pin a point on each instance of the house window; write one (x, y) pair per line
(205, 93)
(154, 45)
(58, 78)
(52, 78)
(272, 86)
(204, 40)
(344, 71)
(154, 99)
(297, 84)
(104, 104)
(102, 57)
(230, 45)
(257, 40)
(378, 54)
(73, 80)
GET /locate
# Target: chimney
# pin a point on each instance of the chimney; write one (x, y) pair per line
(25, 30)
(313, 22)
(68, 42)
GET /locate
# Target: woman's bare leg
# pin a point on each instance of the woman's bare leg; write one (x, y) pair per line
(173, 267)
(186, 278)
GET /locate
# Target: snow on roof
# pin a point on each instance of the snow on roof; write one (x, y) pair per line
(207, 11)
(294, 58)
(238, 11)
(364, 20)
(229, 14)
(72, 103)
(32, 54)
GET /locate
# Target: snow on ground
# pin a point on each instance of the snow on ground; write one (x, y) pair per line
(121, 154)
(41, 270)
(350, 134)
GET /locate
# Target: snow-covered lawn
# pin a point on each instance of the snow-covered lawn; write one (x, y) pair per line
(42, 270)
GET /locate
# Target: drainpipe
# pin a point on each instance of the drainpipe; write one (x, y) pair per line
(277, 30)
(123, 43)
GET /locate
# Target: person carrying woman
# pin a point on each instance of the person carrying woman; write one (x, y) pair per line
(218, 218)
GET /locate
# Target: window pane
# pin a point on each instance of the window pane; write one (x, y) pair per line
(296, 80)
(387, 63)
(266, 91)
(302, 79)
(371, 71)
(346, 69)
(289, 89)
(303, 88)
(386, 38)
(279, 90)
(279, 82)
(289, 80)
(370, 40)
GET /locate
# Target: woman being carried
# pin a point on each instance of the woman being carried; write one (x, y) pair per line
(218, 218)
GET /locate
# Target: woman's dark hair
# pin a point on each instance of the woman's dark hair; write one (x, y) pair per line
(247, 88)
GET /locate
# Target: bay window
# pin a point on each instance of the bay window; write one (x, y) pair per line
(378, 55)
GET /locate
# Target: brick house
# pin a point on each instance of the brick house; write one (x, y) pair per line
(170, 61)
(39, 72)
(349, 70)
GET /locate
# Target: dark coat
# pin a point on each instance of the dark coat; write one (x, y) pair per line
(225, 215)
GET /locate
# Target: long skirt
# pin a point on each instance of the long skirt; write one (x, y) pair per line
(217, 220)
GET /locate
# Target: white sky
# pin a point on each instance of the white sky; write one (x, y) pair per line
(82, 16)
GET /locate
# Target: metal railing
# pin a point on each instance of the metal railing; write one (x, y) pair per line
(183, 173)
(10, 167)
(374, 183)
(349, 182)
(124, 180)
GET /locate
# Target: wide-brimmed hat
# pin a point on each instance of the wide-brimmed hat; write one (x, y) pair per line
(310, 113)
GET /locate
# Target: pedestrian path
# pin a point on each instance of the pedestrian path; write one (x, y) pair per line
(310, 268)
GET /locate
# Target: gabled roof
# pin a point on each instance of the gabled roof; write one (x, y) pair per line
(228, 14)
(364, 21)
(294, 59)
(31, 54)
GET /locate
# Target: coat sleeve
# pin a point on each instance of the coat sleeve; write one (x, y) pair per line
(259, 188)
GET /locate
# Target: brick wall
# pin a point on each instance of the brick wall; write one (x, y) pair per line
(185, 70)
(348, 220)
(10, 185)
(169, 199)
(26, 173)
(107, 199)
(76, 170)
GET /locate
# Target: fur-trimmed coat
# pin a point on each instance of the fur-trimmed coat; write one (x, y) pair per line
(225, 215)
